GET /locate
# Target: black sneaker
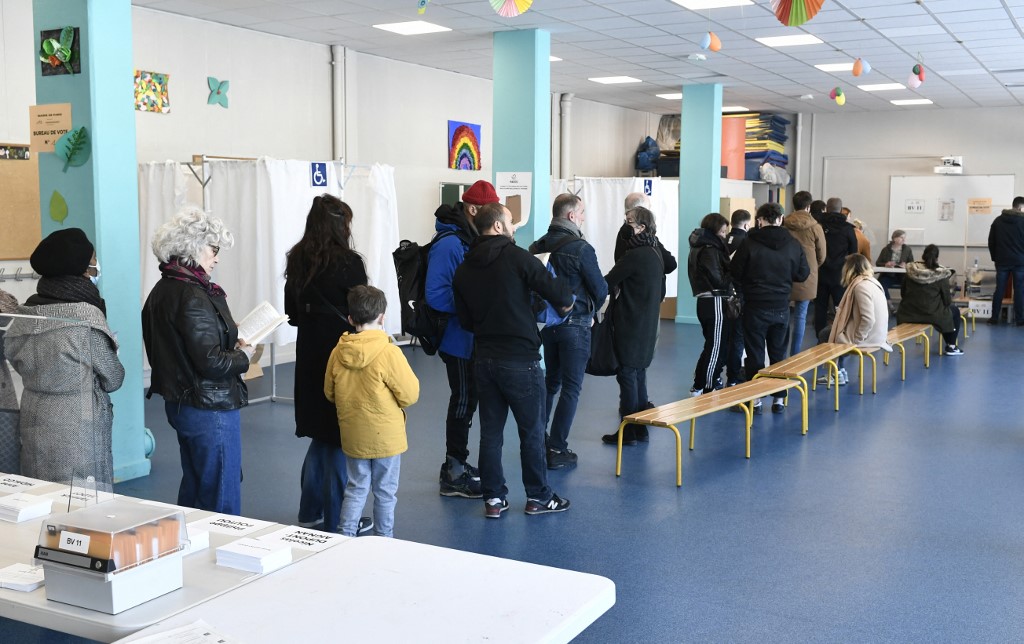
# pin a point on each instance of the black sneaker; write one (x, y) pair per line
(364, 526)
(778, 406)
(560, 459)
(992, 321)
(494, 507)
(953, 350)
(628, 437)
(555, 504)
(466, 485)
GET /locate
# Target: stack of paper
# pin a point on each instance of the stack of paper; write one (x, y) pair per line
(254, 555)
(21, 577)
(20, 507)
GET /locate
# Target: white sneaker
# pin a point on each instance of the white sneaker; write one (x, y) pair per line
(695, 392)
(953, 350)
(843, 378)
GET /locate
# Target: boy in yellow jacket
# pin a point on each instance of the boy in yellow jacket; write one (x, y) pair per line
(370, 382)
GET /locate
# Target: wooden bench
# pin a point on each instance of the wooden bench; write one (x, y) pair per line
(794, 367)
(909, 331)
(670, 415)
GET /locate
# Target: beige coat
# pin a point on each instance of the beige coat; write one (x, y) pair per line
(862, 317)
(370, 382)
(812, 238)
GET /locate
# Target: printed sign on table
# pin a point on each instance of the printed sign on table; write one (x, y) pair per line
(228, 524)
(303, 538)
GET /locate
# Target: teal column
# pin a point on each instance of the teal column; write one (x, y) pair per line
(699, 177)
(102, 194)
(522, 119)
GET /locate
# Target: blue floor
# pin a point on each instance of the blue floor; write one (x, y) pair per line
(895, 520)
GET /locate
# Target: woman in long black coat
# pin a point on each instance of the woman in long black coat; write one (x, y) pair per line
(321, 269)
(639, 278)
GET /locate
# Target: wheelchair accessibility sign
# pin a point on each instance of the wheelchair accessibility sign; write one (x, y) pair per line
(318, 175)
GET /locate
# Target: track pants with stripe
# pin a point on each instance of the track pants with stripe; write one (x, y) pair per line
(717, 329)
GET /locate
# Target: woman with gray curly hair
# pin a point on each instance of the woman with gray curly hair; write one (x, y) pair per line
(198, 360)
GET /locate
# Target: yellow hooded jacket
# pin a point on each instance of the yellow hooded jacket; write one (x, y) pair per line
(370, 381)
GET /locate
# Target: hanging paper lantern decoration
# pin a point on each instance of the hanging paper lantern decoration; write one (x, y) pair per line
(832, 94)
(794, 13)
(837, 95)
(841, 99)
(511, 8)
(858, 67)
(917, 69)
(711, 41)
(421, 6)
(920, 73)
(866, 65)
(913, 81)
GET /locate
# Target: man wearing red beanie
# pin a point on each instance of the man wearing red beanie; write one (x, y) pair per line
(455, 231)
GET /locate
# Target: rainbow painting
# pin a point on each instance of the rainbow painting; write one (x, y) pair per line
(464, 146)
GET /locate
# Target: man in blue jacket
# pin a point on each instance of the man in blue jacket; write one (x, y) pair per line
(455, 232)
(567, 345)
(1006, 246)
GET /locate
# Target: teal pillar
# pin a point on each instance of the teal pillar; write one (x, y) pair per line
(102, 194)
(522, 119)
(699, 176)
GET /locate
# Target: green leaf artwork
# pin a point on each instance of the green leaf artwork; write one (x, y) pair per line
(58, 208)
(74, 147)
(58, 48)
(218, 92)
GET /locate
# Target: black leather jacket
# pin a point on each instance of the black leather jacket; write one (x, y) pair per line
(190, 339)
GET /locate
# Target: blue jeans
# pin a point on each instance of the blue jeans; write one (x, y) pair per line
(323, 485)
(822, 306)
(502, 385)
(797, 326)
(1002, 277)
(382, 475)
(890, 280)
(566, 351)
(764, 327)
(210, 441)
(632, 390)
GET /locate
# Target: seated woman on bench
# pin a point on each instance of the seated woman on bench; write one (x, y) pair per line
(862, 317)
(927, 299)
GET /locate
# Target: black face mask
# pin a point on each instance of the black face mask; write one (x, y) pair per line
(626, 231)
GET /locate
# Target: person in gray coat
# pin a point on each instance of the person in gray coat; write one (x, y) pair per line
(67, 359)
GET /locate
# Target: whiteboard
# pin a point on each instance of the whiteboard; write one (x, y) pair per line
(948, 210)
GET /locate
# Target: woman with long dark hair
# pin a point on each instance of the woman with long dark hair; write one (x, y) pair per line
(321, 269)
(927, 300)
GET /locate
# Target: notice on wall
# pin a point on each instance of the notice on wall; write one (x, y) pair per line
(914, 207)
(48, 123)
(979, 206)
(515, 184)
(947, 209)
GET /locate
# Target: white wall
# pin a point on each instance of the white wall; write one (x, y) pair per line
(397, 113)
(852, 156)
(279, 99)
(17, 83)
(604, 138)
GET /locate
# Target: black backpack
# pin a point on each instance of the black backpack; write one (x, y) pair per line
(419, 320)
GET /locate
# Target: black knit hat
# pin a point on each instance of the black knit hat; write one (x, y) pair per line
(63, 252)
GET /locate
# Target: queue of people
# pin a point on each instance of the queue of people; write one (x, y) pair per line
(352, 384)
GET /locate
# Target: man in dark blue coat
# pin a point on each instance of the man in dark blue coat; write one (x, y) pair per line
(1006, 246)
(567, 345)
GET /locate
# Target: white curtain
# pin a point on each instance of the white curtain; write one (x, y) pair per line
(264, 203)
(162, 191)
(604, 198)
(370, 192)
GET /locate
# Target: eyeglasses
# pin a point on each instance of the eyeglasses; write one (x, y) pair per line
(215, 249)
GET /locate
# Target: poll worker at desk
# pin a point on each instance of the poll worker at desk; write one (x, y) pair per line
(895, 254)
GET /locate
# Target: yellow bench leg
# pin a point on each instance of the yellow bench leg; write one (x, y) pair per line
(963, 325)
(833, 370)
(748, 411)
(618, 452)
(874, 373)
(693, 430)
(928, 350)
(802, 388)
(679, 453)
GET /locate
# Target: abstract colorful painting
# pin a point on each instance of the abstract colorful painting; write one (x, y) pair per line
(151, 92)
(464, 146)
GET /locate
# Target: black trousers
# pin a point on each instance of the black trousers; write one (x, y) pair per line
(461, 405)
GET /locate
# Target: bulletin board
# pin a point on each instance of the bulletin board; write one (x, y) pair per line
(19, 207)
(948, 210)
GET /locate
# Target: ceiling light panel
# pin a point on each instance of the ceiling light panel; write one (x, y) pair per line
(882, 87)
(835, 67)
(789, 41)
(911, 101)
(614, 80)
(701, 5)
(412, 28)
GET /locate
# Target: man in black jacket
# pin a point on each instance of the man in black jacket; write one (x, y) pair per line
(1006, 246)
(765, 266)
(840, 241)
(567, 345)
(492, 299)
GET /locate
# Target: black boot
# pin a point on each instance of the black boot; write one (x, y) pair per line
(628, 437)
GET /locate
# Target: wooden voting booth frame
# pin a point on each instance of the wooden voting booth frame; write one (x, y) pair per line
(19, 206)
